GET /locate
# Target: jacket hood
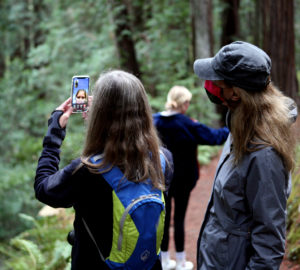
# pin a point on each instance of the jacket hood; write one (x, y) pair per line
(293, 110)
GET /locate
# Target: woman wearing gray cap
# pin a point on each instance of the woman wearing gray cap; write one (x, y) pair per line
(244, 225)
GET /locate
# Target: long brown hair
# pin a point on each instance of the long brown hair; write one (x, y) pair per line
(120, 126)
(262, 119)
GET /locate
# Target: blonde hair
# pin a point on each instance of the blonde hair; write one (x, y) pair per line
(120, 126)
(261, 120)
(177, 96)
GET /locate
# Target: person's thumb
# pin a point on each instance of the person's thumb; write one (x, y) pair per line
(69, 111)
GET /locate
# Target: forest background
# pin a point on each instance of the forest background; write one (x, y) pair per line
(45, 42)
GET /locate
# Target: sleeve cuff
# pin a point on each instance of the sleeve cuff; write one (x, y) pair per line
(55, 134)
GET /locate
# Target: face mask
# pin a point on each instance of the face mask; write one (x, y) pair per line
(213, 92)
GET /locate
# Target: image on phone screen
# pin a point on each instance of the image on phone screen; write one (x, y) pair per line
(80, 93)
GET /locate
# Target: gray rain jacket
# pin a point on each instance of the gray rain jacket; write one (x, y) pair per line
(244, 225)
(245, 221)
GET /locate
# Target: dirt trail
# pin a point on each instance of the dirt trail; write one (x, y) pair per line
(195, 214)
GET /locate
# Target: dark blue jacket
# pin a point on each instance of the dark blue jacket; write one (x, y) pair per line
(89, 194)
(181, 136)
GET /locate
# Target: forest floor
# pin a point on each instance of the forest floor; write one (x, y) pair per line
(195, 214)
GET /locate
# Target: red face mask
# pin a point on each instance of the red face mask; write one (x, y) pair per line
(213, 92)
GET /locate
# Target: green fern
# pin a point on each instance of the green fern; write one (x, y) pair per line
(36, 259)
(60, 256)
(7, 252)
(43, 247)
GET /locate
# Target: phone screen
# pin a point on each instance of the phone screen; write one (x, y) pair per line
(80, 93)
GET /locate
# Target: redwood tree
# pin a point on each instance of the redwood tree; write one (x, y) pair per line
(230, 31)
(230, 19)
(279, 43)
(123, 37)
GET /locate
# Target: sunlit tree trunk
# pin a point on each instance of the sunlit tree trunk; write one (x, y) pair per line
(279, 43)
(201, 11)
(123, 37)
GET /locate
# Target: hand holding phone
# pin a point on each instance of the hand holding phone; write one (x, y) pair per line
(80, 93)
(67, 111)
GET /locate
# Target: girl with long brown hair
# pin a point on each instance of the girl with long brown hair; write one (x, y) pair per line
(120, 126)
(244, 225)
(120, 130)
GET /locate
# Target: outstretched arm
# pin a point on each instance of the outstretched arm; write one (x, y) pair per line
(210, 136)
(51, 184)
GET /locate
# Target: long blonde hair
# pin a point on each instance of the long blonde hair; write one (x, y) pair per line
(262, 119)
(120, 126)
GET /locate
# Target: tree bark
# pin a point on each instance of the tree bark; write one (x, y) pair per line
(40, 11)
(258, 22)
(279, 43)
(139, 11)
(123, 37)
(230, 31)
(231, 25)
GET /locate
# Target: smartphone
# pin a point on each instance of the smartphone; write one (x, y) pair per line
(80, 93)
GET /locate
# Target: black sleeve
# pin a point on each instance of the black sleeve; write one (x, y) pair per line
(53, 186)
(169, 167)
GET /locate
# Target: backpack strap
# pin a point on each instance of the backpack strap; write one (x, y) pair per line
(93, 239)
(114, 175)
(163, 160)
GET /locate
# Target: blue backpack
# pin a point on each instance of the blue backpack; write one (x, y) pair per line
(138, 221)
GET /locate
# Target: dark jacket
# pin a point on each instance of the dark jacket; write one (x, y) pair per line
(89, 194)
(181, 136)
(244, 225)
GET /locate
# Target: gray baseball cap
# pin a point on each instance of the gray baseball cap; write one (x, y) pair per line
(239, 63)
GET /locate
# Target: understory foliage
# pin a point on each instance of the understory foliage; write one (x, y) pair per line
(43, 247)
(44, 44)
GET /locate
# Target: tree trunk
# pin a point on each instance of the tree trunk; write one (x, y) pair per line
(2, 45)
(123, 37)
(40, 12)
(230, 31)
(202, 33)
(258, 22)
(139, 11)
(230, 18)
(279, 43)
